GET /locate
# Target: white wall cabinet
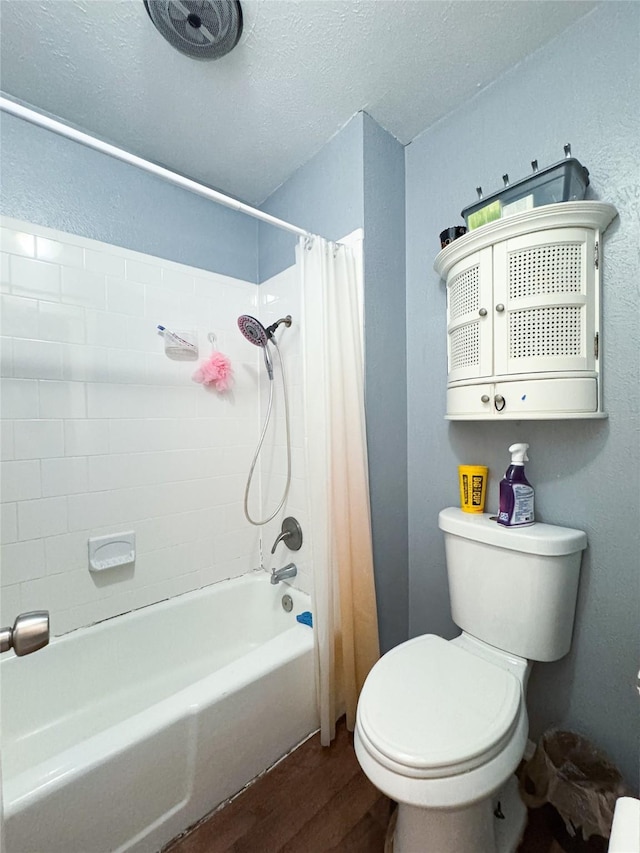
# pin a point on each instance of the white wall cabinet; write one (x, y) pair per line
(523, 315)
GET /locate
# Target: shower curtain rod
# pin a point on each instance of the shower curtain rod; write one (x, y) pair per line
(17, 109)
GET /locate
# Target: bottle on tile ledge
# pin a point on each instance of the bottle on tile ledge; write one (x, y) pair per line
(516, 492)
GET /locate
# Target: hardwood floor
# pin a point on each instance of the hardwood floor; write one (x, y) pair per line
(315, 800)
(318, 800)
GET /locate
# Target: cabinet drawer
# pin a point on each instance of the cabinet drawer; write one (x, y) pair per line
(532, 396)
(468, 400)
(527, 398)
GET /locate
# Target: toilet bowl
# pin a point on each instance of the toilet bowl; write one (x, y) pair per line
(442, 724)
(447, 762)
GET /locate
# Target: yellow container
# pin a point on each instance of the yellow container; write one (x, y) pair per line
(473, 487)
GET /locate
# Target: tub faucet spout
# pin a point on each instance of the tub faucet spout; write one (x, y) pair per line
(288, 571)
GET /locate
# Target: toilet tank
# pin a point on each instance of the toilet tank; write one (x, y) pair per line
(514, 588)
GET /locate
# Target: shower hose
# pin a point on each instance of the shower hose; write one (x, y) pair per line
(261, 441)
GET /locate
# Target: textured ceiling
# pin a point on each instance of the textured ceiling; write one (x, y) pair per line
(302, 68)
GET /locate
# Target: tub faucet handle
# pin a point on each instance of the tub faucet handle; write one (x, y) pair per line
(291, 535)
(281, 538)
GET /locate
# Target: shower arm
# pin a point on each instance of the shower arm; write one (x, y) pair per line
(271, 329)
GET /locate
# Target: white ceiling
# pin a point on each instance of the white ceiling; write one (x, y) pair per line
(302, 68)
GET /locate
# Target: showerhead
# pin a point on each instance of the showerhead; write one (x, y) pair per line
(255, 333)
(202, 29)
(253, 330)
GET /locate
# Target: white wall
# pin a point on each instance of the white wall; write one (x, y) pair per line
(101, 433)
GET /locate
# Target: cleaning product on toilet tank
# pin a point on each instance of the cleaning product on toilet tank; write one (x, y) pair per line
(516, 493)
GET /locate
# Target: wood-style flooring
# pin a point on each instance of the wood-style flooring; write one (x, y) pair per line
(317, 800)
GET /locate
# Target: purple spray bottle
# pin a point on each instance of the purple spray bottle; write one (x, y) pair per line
(516, 493)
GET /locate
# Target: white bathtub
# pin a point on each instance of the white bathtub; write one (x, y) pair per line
(120, 736)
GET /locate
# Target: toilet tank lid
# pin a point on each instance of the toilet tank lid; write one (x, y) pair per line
(544, 539)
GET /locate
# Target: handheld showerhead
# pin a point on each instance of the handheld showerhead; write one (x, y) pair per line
(253, 330)
(255, 333)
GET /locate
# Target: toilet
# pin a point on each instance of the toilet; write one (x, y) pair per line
(442, 724)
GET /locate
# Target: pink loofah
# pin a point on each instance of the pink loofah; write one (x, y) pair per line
(216, 370)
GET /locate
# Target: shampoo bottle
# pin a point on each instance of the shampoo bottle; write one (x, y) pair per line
(516, 493)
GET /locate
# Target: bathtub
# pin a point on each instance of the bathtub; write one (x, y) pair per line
(122, 735)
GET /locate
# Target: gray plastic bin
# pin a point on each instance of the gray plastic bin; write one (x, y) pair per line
(566, 180)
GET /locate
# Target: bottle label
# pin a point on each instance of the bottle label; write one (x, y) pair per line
(476, 490)
(522, 504)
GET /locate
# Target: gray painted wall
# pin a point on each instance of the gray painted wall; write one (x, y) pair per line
(357, 180)
(583, 88)
(52, 181)
(325, 196)
(385, 366)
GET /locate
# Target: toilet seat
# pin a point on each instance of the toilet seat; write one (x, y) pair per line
(430, 709)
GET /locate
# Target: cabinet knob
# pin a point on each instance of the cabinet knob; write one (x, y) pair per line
(482, 312)
(499, 402)
(499, 307)
(485, 398)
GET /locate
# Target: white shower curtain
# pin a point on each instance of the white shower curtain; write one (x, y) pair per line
(345, 621)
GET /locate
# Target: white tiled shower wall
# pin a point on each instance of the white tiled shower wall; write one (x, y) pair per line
(102, 433)
(280, 296)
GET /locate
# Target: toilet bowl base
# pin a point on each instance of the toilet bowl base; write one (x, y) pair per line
(493, 825)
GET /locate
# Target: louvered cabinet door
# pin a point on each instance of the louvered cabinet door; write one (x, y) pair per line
(470, 320)
(544, 306)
